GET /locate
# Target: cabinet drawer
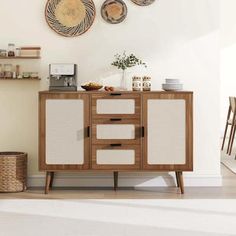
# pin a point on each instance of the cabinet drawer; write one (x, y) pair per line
(116, 157)
(115, 104)
(116, 133)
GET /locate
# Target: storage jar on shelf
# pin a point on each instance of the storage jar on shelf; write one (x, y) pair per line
(8, 73)
(1, 72)
(11, 50)
(3, 53)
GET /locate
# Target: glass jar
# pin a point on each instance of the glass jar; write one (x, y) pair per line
(146, 83)
(11, 50)
(18, 52)
(8, 71)
(3, 53)
(136, 83)
(17, 71)
(1, 72)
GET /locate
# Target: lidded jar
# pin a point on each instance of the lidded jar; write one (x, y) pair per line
(11, 49)
(8, 73)
(146, 83)
(1, 71)
(136, 83)
(3, 53)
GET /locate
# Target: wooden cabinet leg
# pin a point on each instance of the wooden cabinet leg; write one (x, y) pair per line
(115, 176)
(181, 181)
(47, 182)
(51, 181)
(177, 178)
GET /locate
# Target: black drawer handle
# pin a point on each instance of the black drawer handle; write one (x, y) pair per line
(142, 131)
(116, 145)
(115, 119)
(115, 94)
(88, 131)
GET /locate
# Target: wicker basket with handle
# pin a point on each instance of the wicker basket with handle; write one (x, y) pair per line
(13, 171)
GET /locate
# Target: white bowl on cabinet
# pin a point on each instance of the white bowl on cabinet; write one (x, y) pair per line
(172, 87)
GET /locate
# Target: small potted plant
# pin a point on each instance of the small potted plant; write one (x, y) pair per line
(124, 62)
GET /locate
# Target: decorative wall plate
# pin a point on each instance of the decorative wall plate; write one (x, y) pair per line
(114, 11)
(70, 18)
(143, 2)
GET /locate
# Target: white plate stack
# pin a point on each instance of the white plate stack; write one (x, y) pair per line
(172, 85)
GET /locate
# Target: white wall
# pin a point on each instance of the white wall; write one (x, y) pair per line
(177, 38)
(228, 56)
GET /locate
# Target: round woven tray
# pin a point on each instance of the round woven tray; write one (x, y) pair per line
(13, 171)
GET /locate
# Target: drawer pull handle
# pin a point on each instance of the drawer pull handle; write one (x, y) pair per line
(142, 131)
(115, 119)
(88, 131)
(115, 94)
(116, 145)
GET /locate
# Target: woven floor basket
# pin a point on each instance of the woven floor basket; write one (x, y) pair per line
(13, 171)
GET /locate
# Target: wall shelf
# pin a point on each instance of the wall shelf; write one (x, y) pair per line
(20, 57)
(35, 54)
(20, 79)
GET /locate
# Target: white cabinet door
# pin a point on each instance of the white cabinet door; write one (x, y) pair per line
(65, 132)
(166, 131)
(166, 144)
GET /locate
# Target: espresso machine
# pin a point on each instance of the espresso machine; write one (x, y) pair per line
(63, 77)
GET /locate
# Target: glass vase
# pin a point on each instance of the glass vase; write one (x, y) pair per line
(123, 81)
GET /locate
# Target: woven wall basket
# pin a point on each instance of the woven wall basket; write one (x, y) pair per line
(13, 171)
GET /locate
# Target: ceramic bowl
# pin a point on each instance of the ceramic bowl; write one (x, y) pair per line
(172, 81)
(172, 87)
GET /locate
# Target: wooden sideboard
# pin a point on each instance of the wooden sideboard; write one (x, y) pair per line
(114, 132)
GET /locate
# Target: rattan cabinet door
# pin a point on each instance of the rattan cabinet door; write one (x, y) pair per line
(167, 122)
(66, 144)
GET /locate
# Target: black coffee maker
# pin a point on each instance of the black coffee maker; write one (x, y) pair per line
(63, 77)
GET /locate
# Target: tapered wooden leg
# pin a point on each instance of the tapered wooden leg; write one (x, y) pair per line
(226, 127)
(232, 140)
(177, 179)
(47, 182)
(181, 181)
(223, 143)
(115, 175)
(51, 181)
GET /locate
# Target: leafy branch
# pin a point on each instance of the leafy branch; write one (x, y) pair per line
(125, 61)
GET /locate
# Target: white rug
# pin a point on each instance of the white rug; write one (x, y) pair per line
(229, 161)
(117, 217)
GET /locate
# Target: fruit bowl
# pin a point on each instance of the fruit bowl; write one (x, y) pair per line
(91, 86)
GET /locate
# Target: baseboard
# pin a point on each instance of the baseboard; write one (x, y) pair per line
(126, 180)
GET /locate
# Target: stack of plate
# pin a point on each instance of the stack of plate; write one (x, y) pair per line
(172, 85)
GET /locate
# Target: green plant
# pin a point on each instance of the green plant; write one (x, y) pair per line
(125, 61)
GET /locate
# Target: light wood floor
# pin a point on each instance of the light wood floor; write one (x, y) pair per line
(228, 191)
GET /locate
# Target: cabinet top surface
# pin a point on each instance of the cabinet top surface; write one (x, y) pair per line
(108, 92)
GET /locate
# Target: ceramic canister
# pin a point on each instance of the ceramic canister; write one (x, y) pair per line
(136, 83)
(146, 83)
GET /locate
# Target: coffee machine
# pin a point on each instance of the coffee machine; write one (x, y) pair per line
(63, 77)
